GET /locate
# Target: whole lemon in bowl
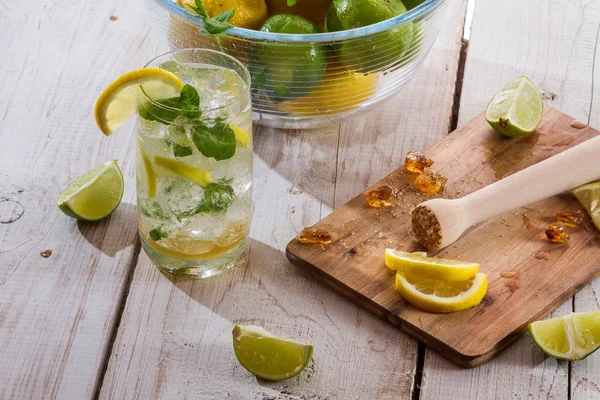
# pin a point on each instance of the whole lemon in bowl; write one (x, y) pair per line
(338, 92)
(372, 52)
(291, 69)
(248, 13)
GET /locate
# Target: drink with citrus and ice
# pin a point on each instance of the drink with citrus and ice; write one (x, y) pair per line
(194, 164)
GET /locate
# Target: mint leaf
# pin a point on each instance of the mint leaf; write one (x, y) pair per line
(218, 24)
(166, 111)
(181, 151)
(200, 8)
(163, 111)
(217, 141)
(158, 233)
(258, 76)
(189, 98)
(152, 208)
(218, 196)
(291, 3)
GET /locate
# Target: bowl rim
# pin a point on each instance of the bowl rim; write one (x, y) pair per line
(422, 9)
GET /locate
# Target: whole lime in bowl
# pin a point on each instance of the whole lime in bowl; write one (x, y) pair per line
(290, 71)
(374, 52)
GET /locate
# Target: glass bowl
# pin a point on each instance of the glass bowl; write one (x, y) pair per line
(311, 80)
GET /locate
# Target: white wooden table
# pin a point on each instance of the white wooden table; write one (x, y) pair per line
(96, 319)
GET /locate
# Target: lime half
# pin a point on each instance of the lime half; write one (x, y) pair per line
(571, 337)
(517, 109)
(267, 356)
(95, 194)
(589, 197)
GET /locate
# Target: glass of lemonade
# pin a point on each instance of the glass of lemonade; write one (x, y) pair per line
(194, 165)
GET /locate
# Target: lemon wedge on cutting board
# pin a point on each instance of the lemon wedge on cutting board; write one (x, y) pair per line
(429, 267)
(438, 296)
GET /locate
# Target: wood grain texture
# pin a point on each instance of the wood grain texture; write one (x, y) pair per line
(554, 43)
(57, 313)
(164, 352)
(585, 380)
(472, 157)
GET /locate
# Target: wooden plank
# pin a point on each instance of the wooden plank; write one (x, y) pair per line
(353, 263)
(553, 43)
(158, 348)
(57, 314)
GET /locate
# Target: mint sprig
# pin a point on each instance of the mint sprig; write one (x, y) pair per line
(216, 25)
(291, 3)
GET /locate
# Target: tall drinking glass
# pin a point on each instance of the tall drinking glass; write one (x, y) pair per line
(194, 165)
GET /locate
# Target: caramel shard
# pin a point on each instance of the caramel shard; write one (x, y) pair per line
(557, 233)
(312, 235)
(381, 197)
(417, 162)
(430, 182)
(571, 219)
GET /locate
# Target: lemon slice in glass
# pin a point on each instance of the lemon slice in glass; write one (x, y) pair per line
(516, 109)
(570, 337)
(189, 172)
(438, 296)
(589, 197)
(95, 194)
(430, 267)
(267, 356)
(119, 101)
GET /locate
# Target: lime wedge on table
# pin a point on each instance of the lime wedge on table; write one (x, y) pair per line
(517, 109)
(570, 337)
(267, 356)
(430, 267)
(589, 197)
(95, 194)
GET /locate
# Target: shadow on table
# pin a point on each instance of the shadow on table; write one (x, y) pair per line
(305, 158)
(97, 233)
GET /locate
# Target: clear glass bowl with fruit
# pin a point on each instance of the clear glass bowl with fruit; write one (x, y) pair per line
(315, 63)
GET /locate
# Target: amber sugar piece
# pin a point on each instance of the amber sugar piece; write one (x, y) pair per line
(417, 162)
(381, 197)
(312, 235)
(430, 182)
(571, 219)
(557, 233)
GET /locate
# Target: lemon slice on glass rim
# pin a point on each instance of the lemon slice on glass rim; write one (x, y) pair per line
(119, 101)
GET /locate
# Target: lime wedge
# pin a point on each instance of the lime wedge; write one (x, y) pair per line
(589, 197)
(517, 109)
(267, 356)
(95, 194)
(571, 337)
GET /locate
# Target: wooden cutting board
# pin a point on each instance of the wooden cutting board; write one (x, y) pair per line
(538, 275)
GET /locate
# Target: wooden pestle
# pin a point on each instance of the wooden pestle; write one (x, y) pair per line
(438, 223)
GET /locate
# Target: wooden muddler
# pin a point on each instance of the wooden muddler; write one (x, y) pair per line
(438, 223)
